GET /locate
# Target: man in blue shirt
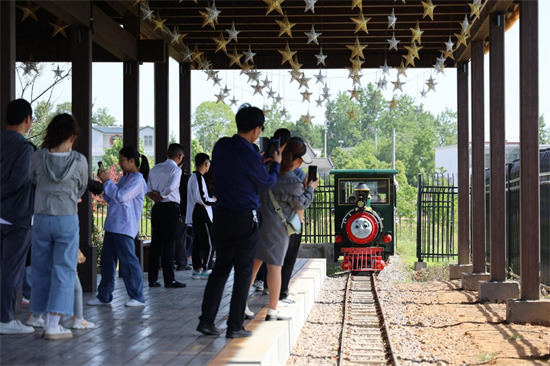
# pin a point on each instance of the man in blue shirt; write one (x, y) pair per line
(239, 175)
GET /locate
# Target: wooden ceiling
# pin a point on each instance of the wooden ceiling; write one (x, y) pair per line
(332, 18)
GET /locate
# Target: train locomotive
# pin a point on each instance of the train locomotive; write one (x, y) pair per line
(364, 218)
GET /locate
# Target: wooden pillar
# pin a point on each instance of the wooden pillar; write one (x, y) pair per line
(529, 150)
(185, 114)
(131, 104)
(7, 57)
(478, 159)
(463, 166)
(130, 129)
(498, 137)
(81, 57)
(161, 111)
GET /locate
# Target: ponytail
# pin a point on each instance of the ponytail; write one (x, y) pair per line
(144, 167)
(131, 153)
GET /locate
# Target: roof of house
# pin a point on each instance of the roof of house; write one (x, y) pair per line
(114, 130)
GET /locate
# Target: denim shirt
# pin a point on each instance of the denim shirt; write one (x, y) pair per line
(125, 201)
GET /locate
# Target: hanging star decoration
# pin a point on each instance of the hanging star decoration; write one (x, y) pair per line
(204, 64)
(285, 26)
(29, 11)
(402, 70)
(356, 64)
(233, 101)
(266, 110)
(29, 66)
(226, 90)
(220, 97)
(361, 23)
(431, 83)
(249, 55)
(357, 4)
(321, 57)
(416, 34)
(176, 36)
(306, 118)
(354, 93)
(159, 23)
(266, 82)
(284, 112)
(211, 74)
(305, 96)
(257, 89)
(382, 83)
(303, 82)
(449, 45)
(397, 84)
(312, 35)
(187, 54)
(146, 12)
(58, 72)
(326, 94)
(352, 115)
(245, 66)
(474, 8)
(296, 66)
(447, 54)
(320, 78)
(392, 19)
(254, 75)
(278, 99)
(465, 25)
(423, 93)
(440, 65)
(319, 102)
(393, 103)
(233, 33)
(287, 54)
(413, 50)
(393, 42)
(221, 43)
(462, 37)
(385, 68)
(59, 28)
(428, 9)
(271, 93)
(310, 5)
(197, 55)
(274, 5)
(235, 57)
(357, 49)
(210, 17)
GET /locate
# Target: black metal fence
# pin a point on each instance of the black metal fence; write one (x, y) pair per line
(435, 235)
(319, 217)
(100, 213)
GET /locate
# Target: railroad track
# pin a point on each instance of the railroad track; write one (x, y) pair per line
(364, 338)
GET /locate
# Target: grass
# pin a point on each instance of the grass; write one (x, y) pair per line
(487, 357)
(515, 337)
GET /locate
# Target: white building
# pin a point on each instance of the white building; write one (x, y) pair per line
(103, 138)
(446, 157)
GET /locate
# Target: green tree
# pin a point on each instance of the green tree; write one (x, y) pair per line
(212, 121)
(110, 156)
(101, 117)
(544, 133)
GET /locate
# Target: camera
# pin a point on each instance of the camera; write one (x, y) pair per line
(269, 146)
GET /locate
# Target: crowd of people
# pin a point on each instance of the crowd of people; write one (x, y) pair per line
(236, 211)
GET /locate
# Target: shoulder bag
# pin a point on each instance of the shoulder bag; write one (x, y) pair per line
(293, 225)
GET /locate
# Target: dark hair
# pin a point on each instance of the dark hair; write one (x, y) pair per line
(200, 159)
(17, 111)
(296, 148)
(283, 134)
(62, 127)
(174, 150)
(130, 152)
(248, 118)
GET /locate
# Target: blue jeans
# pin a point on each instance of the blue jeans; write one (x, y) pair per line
(120, 247)
(53, 257)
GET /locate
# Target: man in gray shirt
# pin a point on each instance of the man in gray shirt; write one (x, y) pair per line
(16, 203)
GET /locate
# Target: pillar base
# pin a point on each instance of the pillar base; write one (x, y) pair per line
(470, 281)
(420, 265)
(492, 291)
(455, 270)
(528, 311)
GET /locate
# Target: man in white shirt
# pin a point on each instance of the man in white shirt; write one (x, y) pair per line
(163, 188)
(199, 213)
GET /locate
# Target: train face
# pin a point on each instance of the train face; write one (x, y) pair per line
(364, 209)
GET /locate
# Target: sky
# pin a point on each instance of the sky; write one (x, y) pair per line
(107, 87)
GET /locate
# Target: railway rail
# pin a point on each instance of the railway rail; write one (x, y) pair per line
(364, 339)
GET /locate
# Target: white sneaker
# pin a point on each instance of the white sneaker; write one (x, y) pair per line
(287, 301)
(95, 302)
(36, 321)
(248, 314)
(258, 285)
(58, 332)
(83, 324)
(196, 275)
(15, 327)
(276, 315)
(205, 274)
(133, 303)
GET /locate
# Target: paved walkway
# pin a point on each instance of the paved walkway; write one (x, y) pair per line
(161, 333)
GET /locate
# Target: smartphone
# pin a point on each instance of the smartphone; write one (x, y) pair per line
(274, 145)
(269, 146)
(312, 173)
(100, 165)
(264, 146)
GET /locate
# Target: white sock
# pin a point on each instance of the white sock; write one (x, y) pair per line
(53, 321)
(271, 311)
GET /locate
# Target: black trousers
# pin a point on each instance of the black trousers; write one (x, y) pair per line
(203, 244)
(236, 234)
(164, 222)
(290, 261)
(14, 244)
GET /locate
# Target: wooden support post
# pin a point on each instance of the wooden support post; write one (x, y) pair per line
(478, 159)
(463, 166)
(7, 57)
(161, 111)
(131, 104)
(529, 150)
(498, 137)
(81, 54)
(185, 114)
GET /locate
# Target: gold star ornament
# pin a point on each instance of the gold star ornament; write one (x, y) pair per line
(221, 43)
(428, 9)
(416, 34)
(274, 5)
(287, 54)
(59, 28)
(361, 23)
(285, 26)
(357, 49)
(393, 103)
(28, 11)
